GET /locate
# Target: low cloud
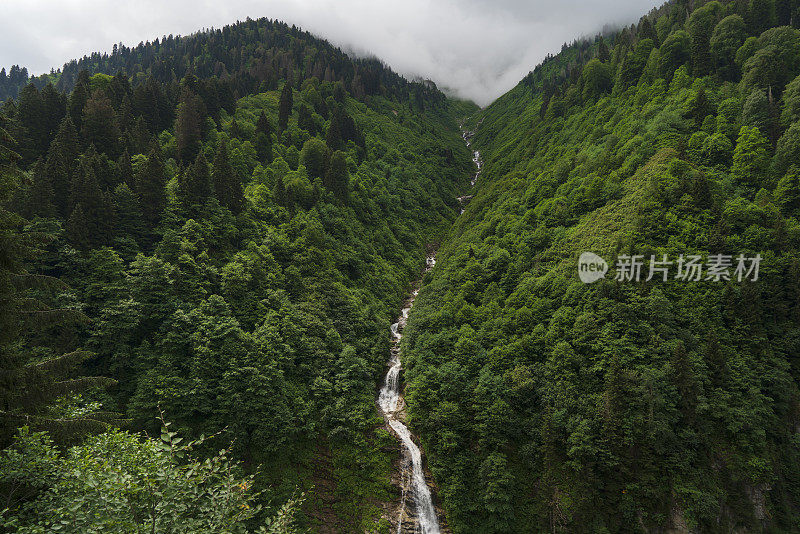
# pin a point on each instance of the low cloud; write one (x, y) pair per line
(476, 49)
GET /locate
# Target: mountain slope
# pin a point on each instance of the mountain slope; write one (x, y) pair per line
(547, 404)
(240, 235)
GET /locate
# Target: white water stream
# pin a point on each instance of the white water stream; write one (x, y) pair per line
(391, 403)
(467, 135)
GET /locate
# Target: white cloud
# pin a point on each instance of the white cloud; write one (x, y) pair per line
(477, 48)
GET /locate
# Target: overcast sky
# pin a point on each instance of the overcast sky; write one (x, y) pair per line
(476, 48)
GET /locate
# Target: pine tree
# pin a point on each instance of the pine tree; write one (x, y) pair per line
(96, 210)
(285, 106)
(227, 186)
(27, 388)
(55, 107)
(188, 127)
(126, 170)
(150, 182)
(194, 185)
(40, 196)
(263, 125)
(337, 179)
(77, 228)
(128, 213)
(602, 51)
(77, 99)
(31, 114)
(100, 124)
(334, 137)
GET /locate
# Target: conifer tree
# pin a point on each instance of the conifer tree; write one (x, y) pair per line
(337, 179)
(188, 127)
(126, 169)
(700, 26)
(602, 51)
(149, 182)
(40, 194)
(93, 226)
(285, 106)
(128, 213)
(194, 185)
(27, 388)
(334, 137)
(68, 142)
(761, 16)
(77, 228)
(305, 121)
(263, 139)
(77, 99)
(646, 31)
(263, 125)
(61, 163)
(100, 124)
(227, 186)
(32, 117)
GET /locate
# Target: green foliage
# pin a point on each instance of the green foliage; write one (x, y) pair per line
(673, 53)
(254, 293)
(788, 150)
(117, 482)
(545, 404)
(791, 102)
(756, 112)
(314, 157)
(728, 36)
(775, 60)
(751, 157)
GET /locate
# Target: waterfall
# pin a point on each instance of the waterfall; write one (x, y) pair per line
(391, 402)
(467, 136)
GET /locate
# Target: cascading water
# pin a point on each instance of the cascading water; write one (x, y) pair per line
(391, 403)
(467, 135)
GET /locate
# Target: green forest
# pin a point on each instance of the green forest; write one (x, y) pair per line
(546, 404)
(205, 239)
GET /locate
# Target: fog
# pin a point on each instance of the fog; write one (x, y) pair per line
(476, 49)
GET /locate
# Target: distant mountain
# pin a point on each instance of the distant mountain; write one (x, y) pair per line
(547, 404)
(250, 56)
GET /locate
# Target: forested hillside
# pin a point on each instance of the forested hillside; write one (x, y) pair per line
(215, 231)
(546, 404)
